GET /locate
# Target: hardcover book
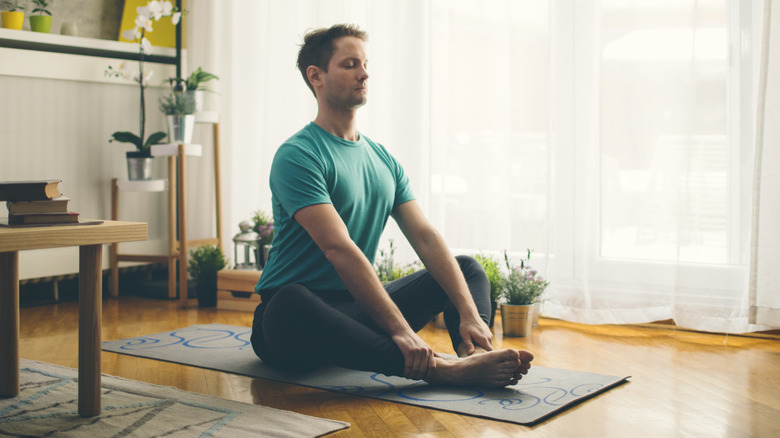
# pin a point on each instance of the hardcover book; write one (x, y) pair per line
(43, 218)
(57, 205)
(34, 190)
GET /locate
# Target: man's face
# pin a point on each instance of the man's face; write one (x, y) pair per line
(345, 84)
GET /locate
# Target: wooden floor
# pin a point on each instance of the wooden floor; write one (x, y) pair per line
(684, 384)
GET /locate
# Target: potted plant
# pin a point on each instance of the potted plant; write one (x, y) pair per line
(179, 110)
(493, 271)
(13, 15)
(203, 265)
(521, 288)
(42, 21)
(386, 268)
(263, 225)
(192, 85)
(139, 162)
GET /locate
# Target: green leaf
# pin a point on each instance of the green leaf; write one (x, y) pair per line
(198, 76)
(126, 137)
(154, 139)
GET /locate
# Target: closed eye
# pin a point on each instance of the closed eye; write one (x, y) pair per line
(354, 64)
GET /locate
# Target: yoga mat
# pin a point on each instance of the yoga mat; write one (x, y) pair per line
(543, 392)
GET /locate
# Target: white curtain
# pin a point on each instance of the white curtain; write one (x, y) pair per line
(765, 242)
(613, 138)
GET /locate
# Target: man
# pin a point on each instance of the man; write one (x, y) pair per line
(333, 190)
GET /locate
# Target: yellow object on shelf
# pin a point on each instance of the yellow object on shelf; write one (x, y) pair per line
(164, 33)
(12, 19)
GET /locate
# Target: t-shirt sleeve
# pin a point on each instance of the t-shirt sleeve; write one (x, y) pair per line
(403, 191)
(298, 179)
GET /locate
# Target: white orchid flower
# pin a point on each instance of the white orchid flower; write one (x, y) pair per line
(136, 76)
(155, 9)
(143, 11)
(175, 18)
(144, 22)
(148, 76)
(131, 34)
(167, 8)
(146, 46)
(125, 72)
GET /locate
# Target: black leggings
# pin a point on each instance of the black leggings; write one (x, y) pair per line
(299, 329)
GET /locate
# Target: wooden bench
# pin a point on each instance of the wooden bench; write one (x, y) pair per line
(236, 290)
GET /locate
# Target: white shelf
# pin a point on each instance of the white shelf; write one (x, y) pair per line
(207, 117)
(48, 42)
(154, 185)
(169, 149)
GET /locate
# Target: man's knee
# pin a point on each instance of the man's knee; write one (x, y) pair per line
(470, 266)
(290, 295)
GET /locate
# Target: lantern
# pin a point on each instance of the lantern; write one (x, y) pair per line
(245, 243)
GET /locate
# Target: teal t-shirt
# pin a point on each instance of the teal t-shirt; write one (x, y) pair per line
(362, 181)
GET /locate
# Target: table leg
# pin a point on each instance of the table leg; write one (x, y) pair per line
(9, 324)
(90, 323)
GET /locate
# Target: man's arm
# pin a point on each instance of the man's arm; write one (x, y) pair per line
(437, 258)
(326, 227)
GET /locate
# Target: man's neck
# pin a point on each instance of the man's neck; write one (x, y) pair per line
(341, 125)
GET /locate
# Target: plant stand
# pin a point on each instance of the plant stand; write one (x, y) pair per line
(176, 185)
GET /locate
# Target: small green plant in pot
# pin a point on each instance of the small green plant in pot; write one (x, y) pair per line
(263, 225)
(493, 271)
(12, 16)
(521, 288)
(192, 85)
(42, 21)
(203, 265)
(179, 109)
(386, 268)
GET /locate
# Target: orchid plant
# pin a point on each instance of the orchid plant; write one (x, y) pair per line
(522, 285)
(153, 11)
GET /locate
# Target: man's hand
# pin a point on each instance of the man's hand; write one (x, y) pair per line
(474, 333)
(419, 360)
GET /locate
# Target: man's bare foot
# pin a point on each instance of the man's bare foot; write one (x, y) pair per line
(463, 350)
(492, 369)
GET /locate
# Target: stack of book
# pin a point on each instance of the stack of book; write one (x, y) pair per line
(38, 202)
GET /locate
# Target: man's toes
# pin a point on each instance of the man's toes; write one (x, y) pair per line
(525, 355)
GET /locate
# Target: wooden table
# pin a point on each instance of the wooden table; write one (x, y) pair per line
(89, 239)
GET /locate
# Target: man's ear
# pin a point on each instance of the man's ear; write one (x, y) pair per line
(313, 74)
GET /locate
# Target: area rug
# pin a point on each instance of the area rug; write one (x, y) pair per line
(540, 394)
(47, 405)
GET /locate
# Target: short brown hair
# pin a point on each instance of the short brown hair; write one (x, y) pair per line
(317, 48)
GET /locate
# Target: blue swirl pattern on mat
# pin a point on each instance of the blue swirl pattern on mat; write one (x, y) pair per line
(212, 339)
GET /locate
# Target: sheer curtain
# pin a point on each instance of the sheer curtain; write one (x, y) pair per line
(617, 145)
(765, 244)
